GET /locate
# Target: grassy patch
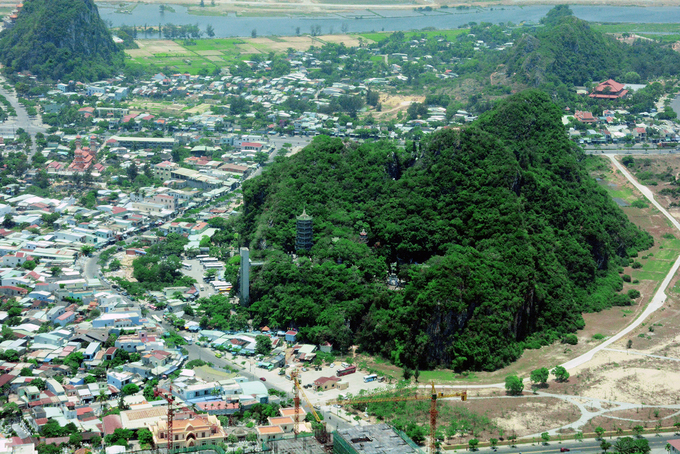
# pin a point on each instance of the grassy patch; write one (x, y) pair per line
(656, 266)
(222, 45)
(191, 61)
(206, 12)
(666, 254)
(621, 193)
(636, 28)
(448, 34)
(375, 36)
(597, 163)
(643, 275)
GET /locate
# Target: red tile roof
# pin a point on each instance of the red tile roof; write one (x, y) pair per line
(111, 423)
(322, 380)
(6, 378)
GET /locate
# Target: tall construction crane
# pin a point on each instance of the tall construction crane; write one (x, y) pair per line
(321, 434)
(171, 411)
(434, 395)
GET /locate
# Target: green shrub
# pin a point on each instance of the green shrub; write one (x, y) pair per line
(636, 265)
(633, 294)
(626, 278)
(621, 300)
(639, 204)
(570, 339)
(598, 336)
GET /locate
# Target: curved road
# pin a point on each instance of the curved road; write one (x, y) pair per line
(659, 298)
(657, 301)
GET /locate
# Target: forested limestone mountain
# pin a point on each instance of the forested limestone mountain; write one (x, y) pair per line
(501, 237)
(60, 39)
(567, 50)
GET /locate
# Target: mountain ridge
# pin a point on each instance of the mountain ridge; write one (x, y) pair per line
(60, 39)
(498, 233)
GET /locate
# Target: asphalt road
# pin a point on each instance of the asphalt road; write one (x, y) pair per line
(277, 142)
(198, 272)
(632, 151)
(587, 446)
(91, 268)
(22, 120)
(333, 421)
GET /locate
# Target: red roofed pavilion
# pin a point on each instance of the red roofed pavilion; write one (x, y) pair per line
(609, 89)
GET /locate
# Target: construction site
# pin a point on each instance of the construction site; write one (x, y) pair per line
(309, 435)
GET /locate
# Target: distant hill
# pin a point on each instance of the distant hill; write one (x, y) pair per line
(60, 39)
(565, 49)
(499, 233)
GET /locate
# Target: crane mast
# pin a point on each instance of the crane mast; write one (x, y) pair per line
(171, 412)
(434, 395)
(321, 433)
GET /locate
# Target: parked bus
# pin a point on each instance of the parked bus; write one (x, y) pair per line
(156, 318)
(215, 264)
(369, 378)
(201, 257)
(186, 266)
(346, 371)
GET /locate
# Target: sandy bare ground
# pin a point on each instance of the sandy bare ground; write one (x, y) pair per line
(198, 109)
(393, 104)
(316, 7)
(283, 43)
(140, 107)
(536, 415)
(151, 47)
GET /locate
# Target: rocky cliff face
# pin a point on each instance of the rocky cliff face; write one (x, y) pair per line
(59, 39)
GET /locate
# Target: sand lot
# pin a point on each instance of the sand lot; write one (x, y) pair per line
(151, 47)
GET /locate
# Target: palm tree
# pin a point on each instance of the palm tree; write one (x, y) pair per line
(102, 399)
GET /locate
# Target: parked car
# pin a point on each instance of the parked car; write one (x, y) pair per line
(263, 379)
(564, 449)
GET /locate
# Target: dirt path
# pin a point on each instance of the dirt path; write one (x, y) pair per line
(593, 407)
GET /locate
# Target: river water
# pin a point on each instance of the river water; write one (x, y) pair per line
(379, 20)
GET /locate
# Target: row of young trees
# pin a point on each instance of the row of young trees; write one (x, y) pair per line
(514, 385)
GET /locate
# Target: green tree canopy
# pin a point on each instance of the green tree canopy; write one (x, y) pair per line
(540, 376)
(462, 222)
(560, 373)
(514, 385)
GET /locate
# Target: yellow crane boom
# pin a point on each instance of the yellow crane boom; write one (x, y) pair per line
(321, 435)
